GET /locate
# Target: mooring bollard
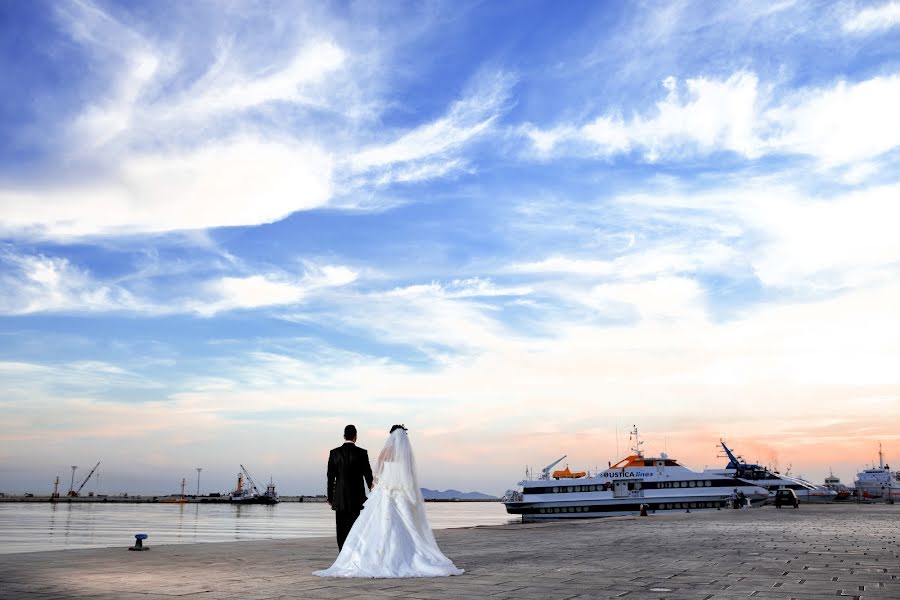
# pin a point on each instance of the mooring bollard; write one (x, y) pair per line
(139, 542)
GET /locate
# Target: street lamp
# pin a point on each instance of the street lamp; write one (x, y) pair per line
(198, 480)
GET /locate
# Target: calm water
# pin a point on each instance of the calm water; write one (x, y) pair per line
(32, 527)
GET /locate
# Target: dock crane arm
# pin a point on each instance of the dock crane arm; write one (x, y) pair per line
(545, 472)
(250, 479)
(86, 479)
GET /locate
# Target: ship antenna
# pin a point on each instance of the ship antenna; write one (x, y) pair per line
(637, 441)
(617, 439)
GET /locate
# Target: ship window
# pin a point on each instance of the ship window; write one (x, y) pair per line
(707, 483)
(555, 490)
(684, 484)
(569, 488)
(691, 484)
(693, 505)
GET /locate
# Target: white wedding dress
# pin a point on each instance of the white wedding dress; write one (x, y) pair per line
(391, 537)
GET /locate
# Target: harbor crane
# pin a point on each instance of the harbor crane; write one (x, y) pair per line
(545, 472)
(74, 492)
(250, 480)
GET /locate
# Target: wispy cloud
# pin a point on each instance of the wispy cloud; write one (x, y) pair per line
(874, 19)
(47, 284)
(739, 115)
(433, 148)
(709, 115)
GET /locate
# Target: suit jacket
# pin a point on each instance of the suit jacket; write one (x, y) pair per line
(348, 467)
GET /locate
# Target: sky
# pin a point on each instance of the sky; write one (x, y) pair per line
(227, 229)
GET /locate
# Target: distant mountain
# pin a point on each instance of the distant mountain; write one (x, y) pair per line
(454, 495)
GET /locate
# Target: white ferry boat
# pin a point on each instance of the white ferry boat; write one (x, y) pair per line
(656, 483)
(878, 482)
(773, 480)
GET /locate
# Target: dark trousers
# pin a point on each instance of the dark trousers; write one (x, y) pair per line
(344, 520)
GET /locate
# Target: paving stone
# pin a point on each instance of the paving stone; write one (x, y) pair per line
(849, 551)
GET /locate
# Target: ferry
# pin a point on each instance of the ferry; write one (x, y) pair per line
(633, 484)
(773, 481)
(251, 494)
(878, 482)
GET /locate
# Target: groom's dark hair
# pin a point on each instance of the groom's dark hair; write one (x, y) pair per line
(349, 432)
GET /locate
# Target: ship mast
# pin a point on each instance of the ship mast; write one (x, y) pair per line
(637, 442)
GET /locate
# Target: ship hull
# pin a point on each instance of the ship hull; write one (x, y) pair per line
(593, 509)
(255, 500)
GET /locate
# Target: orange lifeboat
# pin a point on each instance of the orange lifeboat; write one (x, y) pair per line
(567, 474)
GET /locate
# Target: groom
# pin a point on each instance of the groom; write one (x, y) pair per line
(347, 467)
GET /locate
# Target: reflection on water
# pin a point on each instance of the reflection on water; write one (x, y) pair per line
(32, 527)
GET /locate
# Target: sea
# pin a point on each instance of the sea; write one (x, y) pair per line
(35, 527)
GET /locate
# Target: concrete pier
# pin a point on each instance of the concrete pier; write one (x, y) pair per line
(850, 551)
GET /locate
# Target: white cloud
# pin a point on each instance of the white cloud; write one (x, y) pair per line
(837, 125)
(224, 89)
(37, 284)
(710, 115)
(656, 259)
(242, 182)
(258, 291)
(43, 284)
(873, 19)
(430, 149)
(433, 318)
(792, 239)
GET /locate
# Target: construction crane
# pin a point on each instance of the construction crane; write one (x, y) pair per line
(74, 493)
(250, 479)
(545, 472)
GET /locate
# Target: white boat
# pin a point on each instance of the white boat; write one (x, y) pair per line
(834, 483)
(878, 482)
(773, 480)
(655, 483)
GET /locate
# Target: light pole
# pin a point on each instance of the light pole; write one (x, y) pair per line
(72, 485)
(198, 480)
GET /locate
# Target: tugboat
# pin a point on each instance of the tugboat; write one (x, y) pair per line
(251, 494)
(635, 485)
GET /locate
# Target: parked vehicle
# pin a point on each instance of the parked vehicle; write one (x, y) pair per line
(786, 497)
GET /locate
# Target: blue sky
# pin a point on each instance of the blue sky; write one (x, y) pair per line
(227, 229)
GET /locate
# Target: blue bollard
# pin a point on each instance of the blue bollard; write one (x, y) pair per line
(139, 542)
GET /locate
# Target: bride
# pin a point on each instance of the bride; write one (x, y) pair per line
(391, 538)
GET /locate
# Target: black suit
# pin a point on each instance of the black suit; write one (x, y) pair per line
(348, 467)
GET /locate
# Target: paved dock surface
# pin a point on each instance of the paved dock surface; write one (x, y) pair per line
(814, 552)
